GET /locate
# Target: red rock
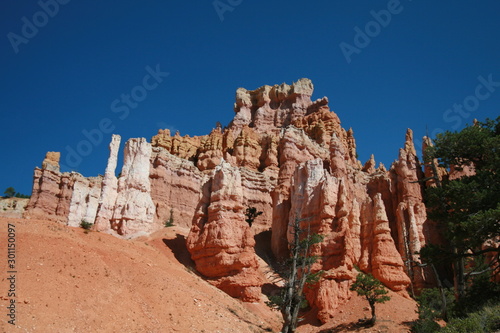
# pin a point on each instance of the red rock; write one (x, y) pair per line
(175, 188)
(410, 213)
(221, 243)
(44, 195)
(386, 263)
(248, 149)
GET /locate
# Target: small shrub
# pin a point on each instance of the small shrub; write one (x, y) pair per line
(425, 325)
(86, 225)
(484, 321)
(463, 325)
(170, 221)
(251, 213)
(480, 293)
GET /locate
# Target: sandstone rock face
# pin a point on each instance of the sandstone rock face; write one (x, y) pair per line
(411, 215)
(355, 229)
(64, 197)
(51, 161)
(287, 156)
(270, 108)
(386, 263)
(221, 242)
(45, 200)
(184, 147)
(134, 209)
(176, 185)
(84, 199)
(51, 194)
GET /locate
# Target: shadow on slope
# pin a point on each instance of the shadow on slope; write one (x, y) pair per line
(178, 247)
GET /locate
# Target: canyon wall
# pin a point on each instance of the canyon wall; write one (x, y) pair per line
(287, 156)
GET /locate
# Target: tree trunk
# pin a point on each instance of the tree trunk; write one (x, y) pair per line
(444, 306)
(459, 275)
(371, 322)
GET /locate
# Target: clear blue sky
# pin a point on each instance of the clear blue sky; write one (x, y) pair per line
(65, 77)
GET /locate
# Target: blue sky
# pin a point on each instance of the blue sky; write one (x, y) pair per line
(409, 63)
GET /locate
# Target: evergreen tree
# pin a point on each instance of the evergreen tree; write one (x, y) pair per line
(371, 289)
(467, 208)
(10, 192)
(298, 274)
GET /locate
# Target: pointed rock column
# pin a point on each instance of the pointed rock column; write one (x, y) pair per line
(386, 263)
(109, 190)
(411, 214)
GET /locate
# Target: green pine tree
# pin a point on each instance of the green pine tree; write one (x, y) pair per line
(10, 192)
(372, 290)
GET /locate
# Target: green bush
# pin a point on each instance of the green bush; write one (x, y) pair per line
(430, 309)
(483, 321)
(481, 292)
(425, 326)
(170, 221)
(86, 225)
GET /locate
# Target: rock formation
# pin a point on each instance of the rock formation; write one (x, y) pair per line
(64, 197)
(285, 155)
(84, 199)
(175, 187)
(134, 209)
(220, 242)
(109, 190)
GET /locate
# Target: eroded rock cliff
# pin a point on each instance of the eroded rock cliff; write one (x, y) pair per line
(287, 156)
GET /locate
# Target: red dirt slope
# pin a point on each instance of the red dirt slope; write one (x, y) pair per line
(71, 281)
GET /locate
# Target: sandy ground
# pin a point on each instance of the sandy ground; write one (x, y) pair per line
(68, 280)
